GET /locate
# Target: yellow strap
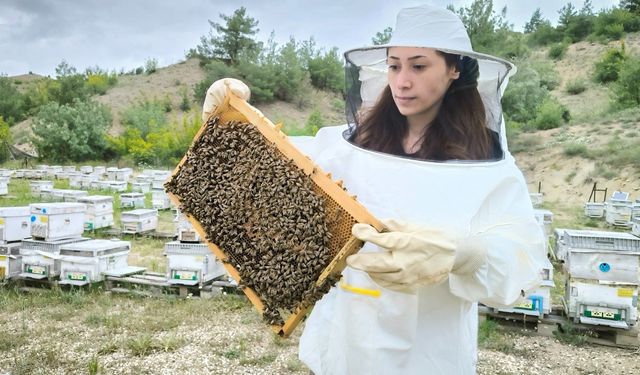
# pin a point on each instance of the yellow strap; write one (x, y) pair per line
(366, 292)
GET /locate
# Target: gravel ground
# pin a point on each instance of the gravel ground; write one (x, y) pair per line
(80, 333)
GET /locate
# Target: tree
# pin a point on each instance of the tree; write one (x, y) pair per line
(627, 90)
(481, 22)
(534, 22)
(229, 40)
(382, 37)
(11, 101)
(71, 132)
(587, 8)
(69, 85)
(632, 6)
(5, 140)
(566, 14)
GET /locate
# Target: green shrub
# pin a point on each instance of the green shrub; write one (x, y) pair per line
(524, 95)
(547, 74)
(576, 149)
(214, 71)
(97, 84)
(608, 68)
(575, 86)
(5, 140)
(550, 115)
(12, 105)
(627, 90)
(185, 103)
(545, 34)
(71, 132)
(606, 24)
(150, 66)
(146, 116)
(557, 51)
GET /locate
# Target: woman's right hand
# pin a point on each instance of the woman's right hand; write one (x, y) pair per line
(217, 91)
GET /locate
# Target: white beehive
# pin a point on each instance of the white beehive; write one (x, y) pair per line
(89, 181)
(56, 195)
(41, 259)
(544, 219)
(93, 222)
(160, 199)
(38, 186)
(69, 168)
(635, 229)
(85, 262)
(4, 187)
(113, 185)
(54, 221)
(75, 180)
(73, 195)
(185, 231)
(86, 169)
(536, 199)
(538, 301)
(40, 174)
(15, 223)
(144, 178)
(100, 170)
(6, 172)
(110, 173)
(191, 263)
(98, 204)
(139, 221)
(123, 174)
(132, 200)
(10, 260)
(594, 209)
(141, 186)
(604, 265)
(52, 170)
(19, 173)
(599, 240)
(618, 213)
(602, 303)
(635, 210)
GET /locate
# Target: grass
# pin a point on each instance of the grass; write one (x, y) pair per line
(491, 336)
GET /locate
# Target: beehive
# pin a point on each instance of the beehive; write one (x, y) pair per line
(337, 211)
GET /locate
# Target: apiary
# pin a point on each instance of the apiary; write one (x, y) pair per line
(536, 199)
(185, 231)
(123, 174)
(602, 303)
(15, 223)
(55, 221)
(141, 187)
(86, 169)
(139, 221)
(85, 262)
(281, 227)
(110, 173)
(75, 180)
(544, 219)
(191, 263)
(604, 265)
(635, 229)
(132, 200)
(41, 259)
(160, 199)
(10, 260)
(594, 209)
(73, 195)
(38, 186)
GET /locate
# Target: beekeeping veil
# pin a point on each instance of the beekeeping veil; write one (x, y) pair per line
(423, 26)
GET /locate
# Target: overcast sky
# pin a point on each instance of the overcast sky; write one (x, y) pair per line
(36, 35)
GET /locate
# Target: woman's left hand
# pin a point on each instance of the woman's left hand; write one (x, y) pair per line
(415, 256)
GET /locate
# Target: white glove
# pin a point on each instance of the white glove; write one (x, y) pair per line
(217, 91)
(416, 256)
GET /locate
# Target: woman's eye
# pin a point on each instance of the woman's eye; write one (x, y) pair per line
(393, 67)
(419, 67)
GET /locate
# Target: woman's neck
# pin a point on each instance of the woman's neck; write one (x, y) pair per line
(416, 127)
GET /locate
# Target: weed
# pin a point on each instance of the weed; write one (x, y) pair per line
(263, 360)
(93, 366)
(568, 334)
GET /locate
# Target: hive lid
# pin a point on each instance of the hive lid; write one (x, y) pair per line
(57, 208)
(95, 199)
(15, 211)
(96, 245)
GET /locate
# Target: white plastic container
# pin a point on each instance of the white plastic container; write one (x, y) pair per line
(84, 262)
(15, 223)
(73, 195)
(97, 204)
(93, 222)
(55, 221)
(160, 199)
(619, 213)
(38, 186)
(191, 263)
(86, 169)
(602, 303)
(604, 265)
(41, 259)
(594, 209)
(139, 221)
(132, 200)
(10, 260)
(141, 187)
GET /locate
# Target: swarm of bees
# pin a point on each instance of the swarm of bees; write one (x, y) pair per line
(261, 211)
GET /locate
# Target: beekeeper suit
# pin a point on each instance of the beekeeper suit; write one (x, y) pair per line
(463, 231)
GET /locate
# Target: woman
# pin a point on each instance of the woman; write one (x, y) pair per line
(429, 151)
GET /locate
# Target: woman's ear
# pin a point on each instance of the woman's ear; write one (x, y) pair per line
(454, 72)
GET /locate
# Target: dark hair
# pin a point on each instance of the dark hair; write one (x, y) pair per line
(458, 132)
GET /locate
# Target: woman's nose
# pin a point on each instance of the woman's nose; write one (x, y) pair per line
(403, 79)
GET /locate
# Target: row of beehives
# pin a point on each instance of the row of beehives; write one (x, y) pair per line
(57, 249)
(73, 172)
(602, 277)
(618, 210)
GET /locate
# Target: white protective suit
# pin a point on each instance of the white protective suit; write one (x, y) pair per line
(361, 328)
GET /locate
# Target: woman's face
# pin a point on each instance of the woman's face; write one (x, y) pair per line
(418, 78)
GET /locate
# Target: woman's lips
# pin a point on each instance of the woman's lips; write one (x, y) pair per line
(404, 99)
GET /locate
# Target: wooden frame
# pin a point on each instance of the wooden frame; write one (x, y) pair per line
(235, 109)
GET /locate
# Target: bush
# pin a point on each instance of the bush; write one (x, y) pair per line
(550, 115)
(547, 74)
(576, 86)
(5, 140)
(524, 95)
(97, 84)
(545, 34)
(612, 23)
(627, 90)
(12, 107)
(146, 116)
(185, 103)
(557, 51)
(576, 149)
(608, 68)
(150, 66)
(71, 132)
